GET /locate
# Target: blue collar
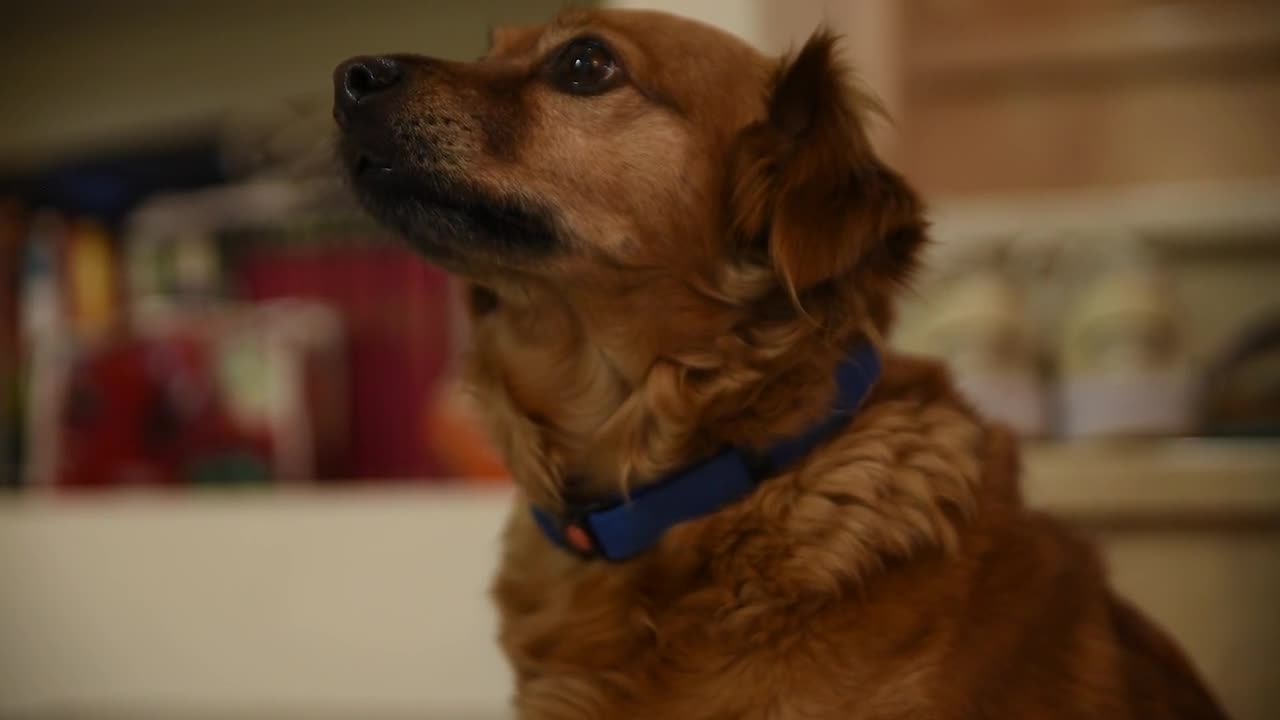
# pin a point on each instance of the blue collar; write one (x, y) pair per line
(623, 527)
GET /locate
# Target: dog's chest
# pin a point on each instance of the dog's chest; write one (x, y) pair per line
(586, 640)
(589, 641)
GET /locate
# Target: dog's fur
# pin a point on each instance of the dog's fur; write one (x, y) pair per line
(678, 263)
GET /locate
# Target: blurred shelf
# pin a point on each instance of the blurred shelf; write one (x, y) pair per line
(1182, 475)
(334, 499)
(1165, 477)
(1209, 215)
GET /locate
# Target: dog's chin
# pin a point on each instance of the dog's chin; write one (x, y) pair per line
(455, 226)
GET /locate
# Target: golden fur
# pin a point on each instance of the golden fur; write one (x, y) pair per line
(714, 234)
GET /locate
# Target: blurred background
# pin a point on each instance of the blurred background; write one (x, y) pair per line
(239, 478)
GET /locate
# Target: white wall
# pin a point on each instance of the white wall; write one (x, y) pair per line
(81, 74)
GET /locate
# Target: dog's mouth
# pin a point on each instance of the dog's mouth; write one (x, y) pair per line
(447, 218)
(370, 165)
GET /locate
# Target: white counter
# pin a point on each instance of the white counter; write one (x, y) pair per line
(371, 604)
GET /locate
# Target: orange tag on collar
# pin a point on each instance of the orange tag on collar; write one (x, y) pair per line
(578, 538)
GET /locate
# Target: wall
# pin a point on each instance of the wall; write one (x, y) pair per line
(1104, 92)
(81, 74)
(871, 30)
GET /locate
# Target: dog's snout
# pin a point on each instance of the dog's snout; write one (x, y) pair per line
(360, 78)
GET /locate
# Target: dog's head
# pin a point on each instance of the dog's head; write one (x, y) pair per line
(608, 140)
(671, 238)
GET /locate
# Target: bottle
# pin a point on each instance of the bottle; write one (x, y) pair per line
(1122, 355)
(44, 349)
(979, 324)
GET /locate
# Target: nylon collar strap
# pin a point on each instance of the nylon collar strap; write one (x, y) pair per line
(621, 528)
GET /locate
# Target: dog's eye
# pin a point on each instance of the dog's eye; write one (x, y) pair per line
(584, 67)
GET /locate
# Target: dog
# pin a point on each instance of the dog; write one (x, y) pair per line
(734, 500)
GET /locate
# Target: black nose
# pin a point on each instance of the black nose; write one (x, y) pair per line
(360, 78)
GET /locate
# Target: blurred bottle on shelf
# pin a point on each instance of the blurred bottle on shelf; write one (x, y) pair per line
(13, 220)
(44, 350)
(981, 326)
(147, 411)
(1122, 359)
(93, 301)
(1240, 395)
(227, 395)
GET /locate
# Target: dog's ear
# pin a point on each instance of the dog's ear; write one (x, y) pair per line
(805, 180)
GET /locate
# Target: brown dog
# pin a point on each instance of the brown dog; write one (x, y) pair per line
(672, 242)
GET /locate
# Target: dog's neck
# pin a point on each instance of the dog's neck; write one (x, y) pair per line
(576, 393)
(587, 392)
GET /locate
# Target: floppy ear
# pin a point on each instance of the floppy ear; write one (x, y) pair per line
(806, 181)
